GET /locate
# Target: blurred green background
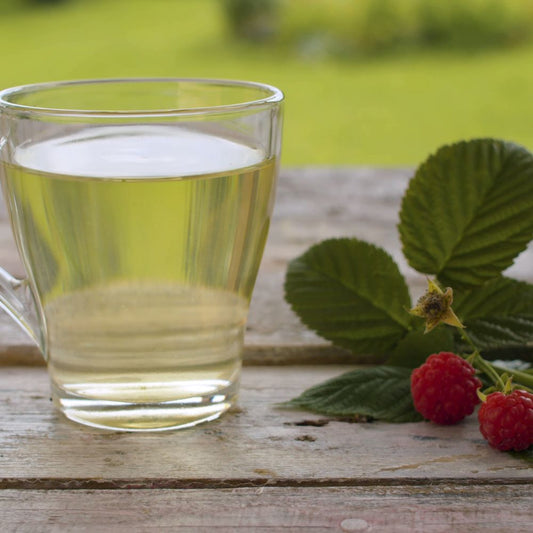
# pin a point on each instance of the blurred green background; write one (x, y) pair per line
(377, 82)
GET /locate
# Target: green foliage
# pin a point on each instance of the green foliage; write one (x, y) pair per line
(388, 111)
(415, 347)
(384, 25)
(500, 297)
(254, 20)
(351, 293)
(370, 27)
(466, 215)
(526, 455)
(19, 5)
(45, 1)
(474, 23)
(498, 314)
(381, 392)
(468, 212)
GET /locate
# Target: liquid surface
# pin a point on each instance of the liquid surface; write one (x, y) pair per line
(142, 245)
(137, 151)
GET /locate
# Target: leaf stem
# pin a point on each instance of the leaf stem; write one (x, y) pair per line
(468, 340)
(523, 378)
(488, 369)
(493, 372)
(480, 364)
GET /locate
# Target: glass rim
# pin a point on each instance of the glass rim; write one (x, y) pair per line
(273, 95)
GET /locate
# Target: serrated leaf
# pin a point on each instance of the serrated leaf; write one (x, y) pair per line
(350, 292)
(498, 314)
(468, 211)
(417, 346)
(525, 353)
(381, 392)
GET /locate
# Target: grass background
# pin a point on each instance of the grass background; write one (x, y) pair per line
(390, 110)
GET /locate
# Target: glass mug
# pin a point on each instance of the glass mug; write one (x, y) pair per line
(140, 208)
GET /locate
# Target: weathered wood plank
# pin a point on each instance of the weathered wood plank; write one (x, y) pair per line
(312, 204)
(403, 510)
(257, 444)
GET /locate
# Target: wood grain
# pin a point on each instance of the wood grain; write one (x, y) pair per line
(417, 509)
(255, 445)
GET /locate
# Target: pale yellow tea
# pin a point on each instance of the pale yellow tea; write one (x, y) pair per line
(144, 242)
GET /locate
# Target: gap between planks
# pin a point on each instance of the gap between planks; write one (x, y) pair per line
(210, 484)
(289, 355)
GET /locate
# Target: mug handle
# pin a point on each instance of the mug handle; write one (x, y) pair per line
(17, 300)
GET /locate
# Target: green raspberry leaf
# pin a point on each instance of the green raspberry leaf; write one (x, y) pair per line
(350, 292)
(468, 211)
(498, 315)
(382, 392)
(417, 346)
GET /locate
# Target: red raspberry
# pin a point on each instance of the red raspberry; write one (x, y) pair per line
(444, 388)
(506, 420)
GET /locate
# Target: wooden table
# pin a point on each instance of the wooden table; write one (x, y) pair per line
(259, 468)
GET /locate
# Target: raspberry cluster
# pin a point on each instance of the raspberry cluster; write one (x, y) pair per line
(444, 390)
